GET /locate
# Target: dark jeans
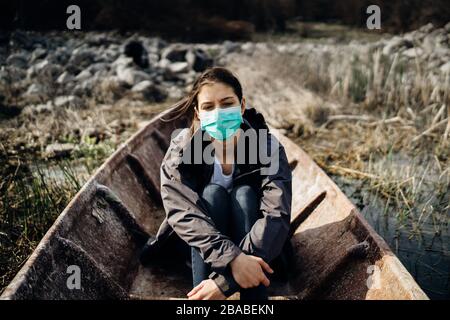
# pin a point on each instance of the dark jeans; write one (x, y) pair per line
(233, 214)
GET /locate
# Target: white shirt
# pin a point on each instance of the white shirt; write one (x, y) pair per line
(219, 178)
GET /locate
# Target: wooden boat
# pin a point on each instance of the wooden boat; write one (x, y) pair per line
(337, 254)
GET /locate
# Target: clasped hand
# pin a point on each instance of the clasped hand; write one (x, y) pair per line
(248, 272)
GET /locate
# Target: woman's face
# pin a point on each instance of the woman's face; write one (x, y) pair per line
(217, 95)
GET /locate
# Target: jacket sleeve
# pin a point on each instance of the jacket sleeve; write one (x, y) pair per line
(188, 217)
(268, 235)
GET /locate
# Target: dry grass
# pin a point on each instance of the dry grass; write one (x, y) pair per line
(357, 112)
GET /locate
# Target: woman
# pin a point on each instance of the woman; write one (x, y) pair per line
(226, 190)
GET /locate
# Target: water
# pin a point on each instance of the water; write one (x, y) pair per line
(425, 255)
(424, 251)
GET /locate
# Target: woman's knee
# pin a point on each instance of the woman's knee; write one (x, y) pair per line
(218, 204)
(214, 192)
(244, 198)
(243, 192)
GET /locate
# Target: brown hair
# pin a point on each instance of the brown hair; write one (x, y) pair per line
(210, 75)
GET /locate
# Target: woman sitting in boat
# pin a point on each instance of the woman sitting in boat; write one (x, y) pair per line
(226, 189)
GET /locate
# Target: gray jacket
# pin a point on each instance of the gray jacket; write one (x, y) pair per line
(186, 214)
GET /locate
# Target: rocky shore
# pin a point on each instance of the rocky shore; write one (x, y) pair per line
(39, 71)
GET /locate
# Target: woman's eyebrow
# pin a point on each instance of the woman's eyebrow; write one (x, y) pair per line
(221, 100)
(206, 102)
(229, 97)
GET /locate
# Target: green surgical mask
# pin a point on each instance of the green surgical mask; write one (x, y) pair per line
(221, 123)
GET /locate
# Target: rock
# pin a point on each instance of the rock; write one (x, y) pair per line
(38, 53)
(142, 86)
(59, 150)
(442, 40)
(413, 52)
(44, 108)
(394, 44)
(38, 108)
(229, 47)
(198, 60)
(175, 93)
(82, 57)
(178, 67)
(19, 60)
(164, 63)
(41, 66)
(153, 58)
(83, 75)
(122, 62)
(44, 68)
(11, 74)
(100, 39)
(447, 27)
(188, 77)
(61, 56)
(247, 46)
(136, 51)
(428, 43)
(64, 78)
(110, 54)
(99, 66)
(153, 45)
(175, 53)
(150, 91)
(426, 28)
(67, 101)
(35, 92)
(131, 76)
(445, 68)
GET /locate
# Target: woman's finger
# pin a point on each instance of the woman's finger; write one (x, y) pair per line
(196, 289)
(265, 265)
(198, 296)
(264, 280)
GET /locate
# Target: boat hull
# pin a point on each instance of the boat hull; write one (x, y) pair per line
(337, 254)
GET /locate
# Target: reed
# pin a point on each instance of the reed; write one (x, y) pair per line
(360, 114)
(30, 201)
(392, 131)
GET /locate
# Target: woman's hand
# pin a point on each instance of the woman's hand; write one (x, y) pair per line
(206, 290)
(248, 271)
